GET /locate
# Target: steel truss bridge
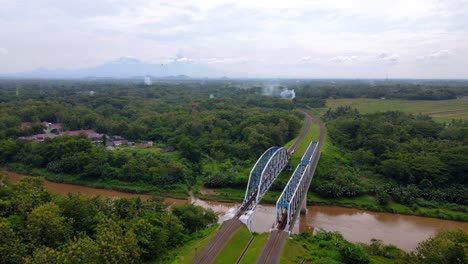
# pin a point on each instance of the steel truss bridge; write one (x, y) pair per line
(263, 174)
(261, 177)
(294, 196)
(289, 206)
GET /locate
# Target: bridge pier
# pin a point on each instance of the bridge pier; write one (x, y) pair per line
(248, 218)
(304, 206)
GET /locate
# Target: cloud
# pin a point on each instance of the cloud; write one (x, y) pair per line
(341, 59)
(183, 59)
(3, 51)
(308, 59)
(253, 37)
(388, 58)
(438, 55)
(220, 60)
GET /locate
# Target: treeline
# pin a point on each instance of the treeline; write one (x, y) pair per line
(315, 94)
(78, 156)
(204, 123)
(406, 157)
(36, 227)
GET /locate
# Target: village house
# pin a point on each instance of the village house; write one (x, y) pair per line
(92, 135)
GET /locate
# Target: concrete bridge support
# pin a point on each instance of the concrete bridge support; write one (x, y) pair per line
(304, 206)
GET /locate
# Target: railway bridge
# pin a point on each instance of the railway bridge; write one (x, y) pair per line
(292, 201)
(261, 177)
(293, 198)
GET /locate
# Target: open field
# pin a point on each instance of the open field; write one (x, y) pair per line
(443, 110)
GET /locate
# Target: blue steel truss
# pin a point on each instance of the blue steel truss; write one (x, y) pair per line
(293, 194)
(265, 171)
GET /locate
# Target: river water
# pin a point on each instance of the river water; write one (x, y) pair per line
(355, 225)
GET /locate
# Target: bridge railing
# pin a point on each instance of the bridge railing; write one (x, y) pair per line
(264, 172)
(255, 173)
(288, 203)
(271, 171)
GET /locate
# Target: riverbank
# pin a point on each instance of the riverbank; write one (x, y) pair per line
(176, 191)
(65, 188)
(356, 225)
(232, 195)
(364, 202)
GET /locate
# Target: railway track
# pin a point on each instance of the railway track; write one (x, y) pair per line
(304, 132)
(225, 232)
(228, 228)
(271, 253)
(273, 248)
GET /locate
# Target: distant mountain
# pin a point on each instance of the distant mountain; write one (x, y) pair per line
(126, 67)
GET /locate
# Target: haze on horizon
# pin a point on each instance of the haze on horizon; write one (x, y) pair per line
(314, 39)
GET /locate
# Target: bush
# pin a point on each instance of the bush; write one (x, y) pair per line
(194, 217)
(448, 246)
(353, 254)
(383, 198)
(377, 248)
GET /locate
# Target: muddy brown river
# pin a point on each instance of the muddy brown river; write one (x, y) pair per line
(355, 225)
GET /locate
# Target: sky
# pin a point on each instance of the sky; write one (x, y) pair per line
(254, 38)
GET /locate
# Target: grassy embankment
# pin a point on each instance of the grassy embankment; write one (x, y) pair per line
(255, 248)
(186, 253)
(332, 248)
(231, 252)
(234, 248)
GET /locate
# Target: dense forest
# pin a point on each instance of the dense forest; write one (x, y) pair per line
(211, 132)
(394, 156)
(38, 227)
(208, 125)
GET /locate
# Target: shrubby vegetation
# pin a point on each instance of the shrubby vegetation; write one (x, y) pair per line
(232, 129)
(219, 128)
(78, 156)
(394, 156)
(36, 227)
(448, 246)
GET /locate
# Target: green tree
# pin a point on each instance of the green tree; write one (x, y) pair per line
(194, 217)
(448, 246)
(152, 236)
(46, 255)
(27, 195)
(81, 250)
(46, 226)
(11, 248)
(116, 245)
